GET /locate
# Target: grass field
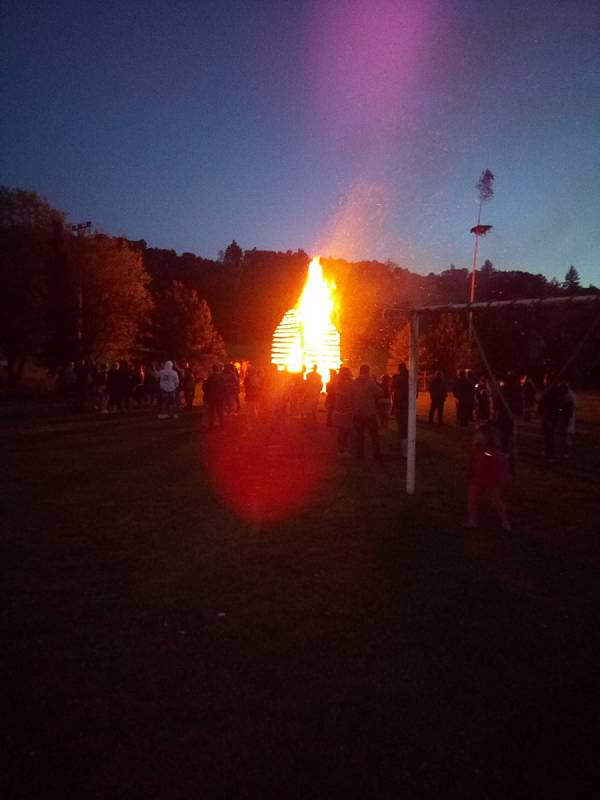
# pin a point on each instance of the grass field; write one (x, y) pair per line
(242, 614)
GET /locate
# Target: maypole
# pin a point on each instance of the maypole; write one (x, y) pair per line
(485, 188)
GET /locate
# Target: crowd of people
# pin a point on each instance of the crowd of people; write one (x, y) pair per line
(507, 401)
(358, 408)
(122, 385)
(129, 385)
(501, 403)
(498, 406)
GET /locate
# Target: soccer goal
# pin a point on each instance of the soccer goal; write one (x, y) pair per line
(414, 314)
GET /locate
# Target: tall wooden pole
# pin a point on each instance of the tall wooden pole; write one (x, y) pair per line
(474, 272)
(411, 451)
(79, 230)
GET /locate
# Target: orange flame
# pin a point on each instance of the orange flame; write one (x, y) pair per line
(306, 335)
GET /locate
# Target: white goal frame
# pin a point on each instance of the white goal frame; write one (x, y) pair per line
(414, 314)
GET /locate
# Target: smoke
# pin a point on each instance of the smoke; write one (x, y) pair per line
(358, 224)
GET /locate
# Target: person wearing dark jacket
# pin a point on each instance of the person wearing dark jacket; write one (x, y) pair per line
(100, 389)
(384, 404)
(549, 409)
(214, 396)
(189, 385)
(343, 414)
(366, 392)
(566, 418)
(116, 386)
(82, 374)
(509, 410)
(483, 400)
(529, 390)
(129, 379)
(400, 403)
(465, 396)
(112, 387)
(438, 393)
(330, 396)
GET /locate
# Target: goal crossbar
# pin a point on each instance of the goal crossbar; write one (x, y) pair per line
(414, 313)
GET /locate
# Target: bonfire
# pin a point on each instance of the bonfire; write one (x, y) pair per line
(307, 334)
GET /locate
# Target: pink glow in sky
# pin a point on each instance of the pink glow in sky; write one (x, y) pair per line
(363, 65)
(354, 128)
(363, 58)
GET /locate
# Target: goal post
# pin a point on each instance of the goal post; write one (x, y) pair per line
(413, 377)
(414, 314)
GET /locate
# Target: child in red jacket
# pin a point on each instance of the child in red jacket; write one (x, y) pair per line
(488, 472)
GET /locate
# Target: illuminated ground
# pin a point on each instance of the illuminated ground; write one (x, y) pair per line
(157, 646)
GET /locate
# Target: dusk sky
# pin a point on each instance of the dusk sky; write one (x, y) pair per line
(353, 129)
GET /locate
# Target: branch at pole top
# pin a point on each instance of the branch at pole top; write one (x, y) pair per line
(485, 186)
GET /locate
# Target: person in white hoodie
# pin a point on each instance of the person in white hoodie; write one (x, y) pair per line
(168, 381)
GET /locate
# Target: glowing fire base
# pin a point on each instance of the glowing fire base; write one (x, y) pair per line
(306, 335)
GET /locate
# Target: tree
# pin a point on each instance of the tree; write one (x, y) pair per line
(182, 326)
(399, 350)
(62, 317)
(28, 225)
(443, 345)
(20, 208)
(487, 268)
(114, 295)
(454, 284)
(571, 281)
(232, 256)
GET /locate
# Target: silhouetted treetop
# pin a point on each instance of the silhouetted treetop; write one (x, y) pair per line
(571, 281)
(233, 255)
(19, 207)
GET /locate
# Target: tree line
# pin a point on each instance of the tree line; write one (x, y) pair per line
(249, 291)
(66, 296)
(101, 297)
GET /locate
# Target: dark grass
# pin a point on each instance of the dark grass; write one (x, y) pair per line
(158, 645)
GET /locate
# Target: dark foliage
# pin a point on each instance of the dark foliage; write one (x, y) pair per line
(246, 293)
(182, 327)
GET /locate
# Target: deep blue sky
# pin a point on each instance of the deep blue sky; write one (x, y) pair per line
(357, 129)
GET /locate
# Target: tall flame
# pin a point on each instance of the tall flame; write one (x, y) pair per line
(306, 335)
